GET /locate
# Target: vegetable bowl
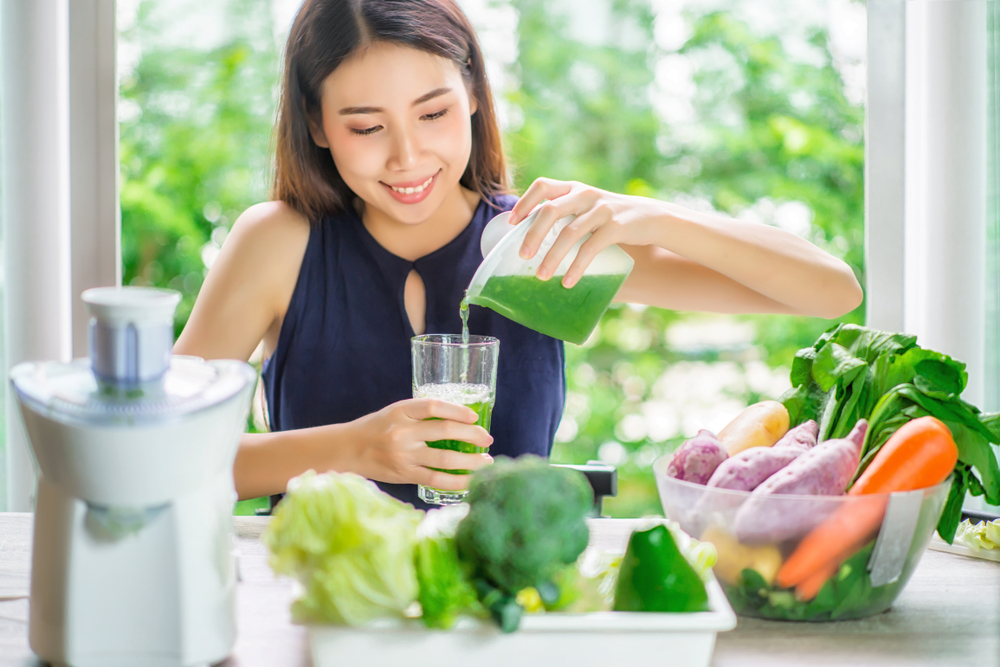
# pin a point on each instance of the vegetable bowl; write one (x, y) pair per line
(753, 549)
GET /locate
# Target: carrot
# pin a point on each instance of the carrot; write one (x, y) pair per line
(920, 454)
(808, 589)
(848, 529)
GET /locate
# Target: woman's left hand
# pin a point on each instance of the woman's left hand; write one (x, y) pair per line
(608, 217)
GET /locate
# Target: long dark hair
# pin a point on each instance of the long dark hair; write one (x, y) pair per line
(327, 32)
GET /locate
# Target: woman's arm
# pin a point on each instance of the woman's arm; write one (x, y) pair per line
(687, 260)
(247, 290)
(243, 300)
(388, 445)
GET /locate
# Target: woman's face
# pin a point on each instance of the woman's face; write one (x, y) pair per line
(397, 122)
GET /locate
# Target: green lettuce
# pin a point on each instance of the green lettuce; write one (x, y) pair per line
(349, 545)
(983, 535)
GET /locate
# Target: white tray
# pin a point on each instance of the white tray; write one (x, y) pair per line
(938, 544)
(599, 639)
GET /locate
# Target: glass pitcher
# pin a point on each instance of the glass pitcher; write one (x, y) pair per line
(506, 283)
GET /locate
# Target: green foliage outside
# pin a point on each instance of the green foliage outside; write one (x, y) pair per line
(771, 129)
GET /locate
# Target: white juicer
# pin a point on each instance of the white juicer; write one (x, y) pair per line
(132, 561)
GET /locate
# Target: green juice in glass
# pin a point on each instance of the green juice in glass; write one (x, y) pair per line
(548, 307)
(478, 397)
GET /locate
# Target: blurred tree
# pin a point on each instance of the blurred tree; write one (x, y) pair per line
(194, 145)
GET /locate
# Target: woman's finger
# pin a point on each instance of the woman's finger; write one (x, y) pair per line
(447, 459)
(602, 237)
(445, 429)
(537, 192)
(568, 237)
(434, 408)
(548, 214)
(436, 479)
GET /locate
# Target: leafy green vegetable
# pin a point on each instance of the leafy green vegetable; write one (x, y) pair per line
(853, 372)
(526, 522)
(848, 594)
(983, 535)
(350, 545)
(444, 589)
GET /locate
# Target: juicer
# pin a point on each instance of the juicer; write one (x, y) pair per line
(132, 560)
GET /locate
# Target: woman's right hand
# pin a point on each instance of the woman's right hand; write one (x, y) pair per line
(393, 443)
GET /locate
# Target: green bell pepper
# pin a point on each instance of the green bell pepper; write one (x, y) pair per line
(655, 576)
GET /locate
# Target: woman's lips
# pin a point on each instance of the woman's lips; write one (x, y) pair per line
(419, 190)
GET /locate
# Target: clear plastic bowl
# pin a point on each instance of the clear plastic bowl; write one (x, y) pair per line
(752, 545)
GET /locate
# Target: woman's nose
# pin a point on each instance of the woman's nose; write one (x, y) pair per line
(405, 150)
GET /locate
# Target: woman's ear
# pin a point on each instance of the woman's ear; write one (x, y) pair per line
(314, 119)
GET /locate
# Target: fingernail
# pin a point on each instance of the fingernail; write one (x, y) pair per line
(543, 274)
(568, 282)
(524, 253)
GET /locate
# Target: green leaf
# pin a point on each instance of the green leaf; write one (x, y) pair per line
(445, 591)
(946, 410)
(794, 401)
(992, 422)
(951, 516)
(974, 450)
(835, 364)
(869, 344)
(752, 580)
(850, 409)
(802, 366)
(939, 379)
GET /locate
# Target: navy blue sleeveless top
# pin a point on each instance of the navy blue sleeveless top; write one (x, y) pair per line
(344, 347)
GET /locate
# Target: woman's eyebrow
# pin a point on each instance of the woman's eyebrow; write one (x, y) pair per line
(437, 92)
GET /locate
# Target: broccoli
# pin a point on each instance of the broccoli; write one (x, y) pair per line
(526, 522)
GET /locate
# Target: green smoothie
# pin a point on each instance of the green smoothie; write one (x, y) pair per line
(548, 307)
(474, 396)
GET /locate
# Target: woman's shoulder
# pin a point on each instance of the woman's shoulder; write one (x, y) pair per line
(271, 221)
(267, 243)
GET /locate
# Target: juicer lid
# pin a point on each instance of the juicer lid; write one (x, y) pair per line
(71, 393)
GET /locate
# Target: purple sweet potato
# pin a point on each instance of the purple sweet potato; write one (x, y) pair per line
(824, 470)
(802, 436)
(697, 458)
(746, 470)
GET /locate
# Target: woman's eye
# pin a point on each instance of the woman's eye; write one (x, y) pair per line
(435, 115)
(367, 130)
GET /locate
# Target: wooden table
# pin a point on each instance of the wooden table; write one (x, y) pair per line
(948, 615)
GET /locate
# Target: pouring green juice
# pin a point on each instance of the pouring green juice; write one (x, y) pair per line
(546, 306)
(507, 284)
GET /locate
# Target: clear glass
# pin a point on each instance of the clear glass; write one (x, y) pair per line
(752, 546)
(465, 373)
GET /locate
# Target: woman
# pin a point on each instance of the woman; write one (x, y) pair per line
(388, 165)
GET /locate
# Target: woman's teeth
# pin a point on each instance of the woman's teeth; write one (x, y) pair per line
(410, 191)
